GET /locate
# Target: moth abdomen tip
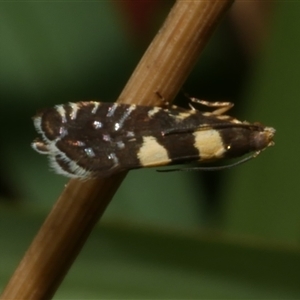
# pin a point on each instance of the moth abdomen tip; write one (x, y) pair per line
(263, 139)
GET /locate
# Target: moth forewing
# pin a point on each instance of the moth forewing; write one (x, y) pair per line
(94, 139)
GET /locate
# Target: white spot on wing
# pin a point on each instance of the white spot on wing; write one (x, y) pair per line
(79, 143)
(74, 109)
(120, 145)
(127, 113)
(117, 126)
(209, 144)
(60, 109)
(152, 153)
(153, 111)
(95, 108)
(89, 152)
(106, 137)
(111, 110)
(184, 115)
(130, 134)
(62, 132)
(97, 124)
(114, 158)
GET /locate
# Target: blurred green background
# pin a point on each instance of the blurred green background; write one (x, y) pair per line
(228, 235)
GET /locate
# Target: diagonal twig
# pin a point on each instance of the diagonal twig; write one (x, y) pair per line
(162, 71)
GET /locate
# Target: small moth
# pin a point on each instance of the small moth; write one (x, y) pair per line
(93, 139)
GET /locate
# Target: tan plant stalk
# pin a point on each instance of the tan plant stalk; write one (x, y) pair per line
(162, 71)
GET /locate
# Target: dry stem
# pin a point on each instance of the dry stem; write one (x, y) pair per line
(163, 70)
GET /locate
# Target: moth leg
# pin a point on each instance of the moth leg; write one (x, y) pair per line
(165, 103)
(222, 107)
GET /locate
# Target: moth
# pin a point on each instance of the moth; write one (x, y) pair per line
(94, 139)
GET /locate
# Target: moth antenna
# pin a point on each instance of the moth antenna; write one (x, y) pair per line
(218, 168)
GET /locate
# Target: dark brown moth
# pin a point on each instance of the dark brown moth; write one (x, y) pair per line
(94, 139)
